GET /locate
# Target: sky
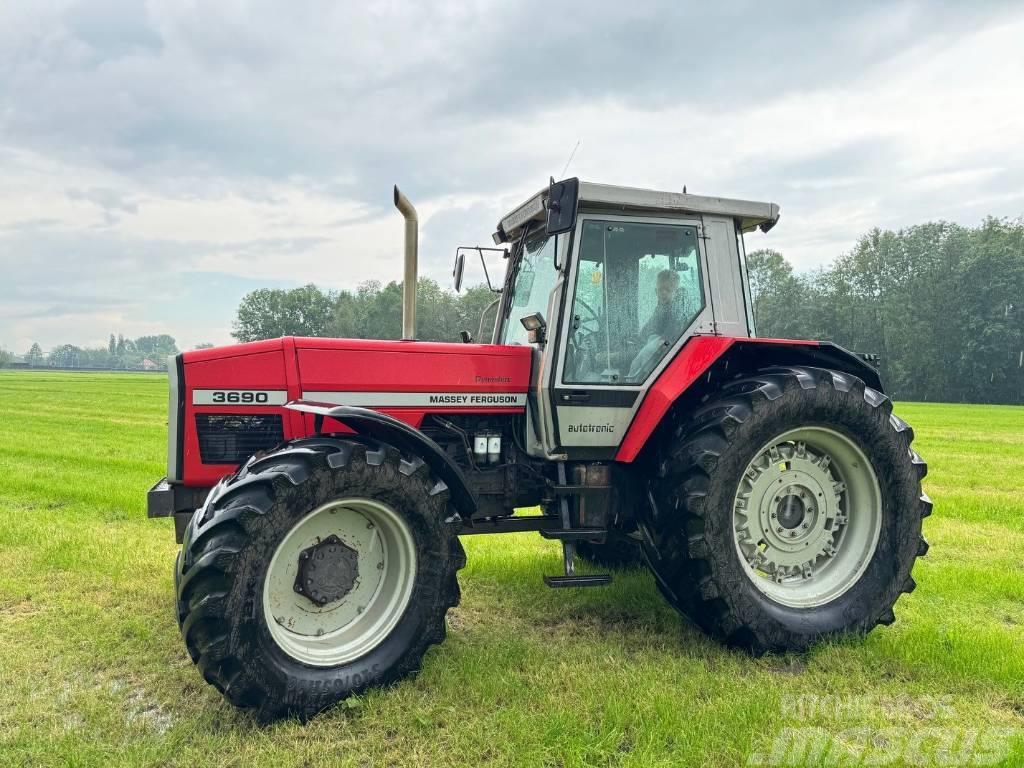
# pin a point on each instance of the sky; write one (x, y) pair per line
(160, 159)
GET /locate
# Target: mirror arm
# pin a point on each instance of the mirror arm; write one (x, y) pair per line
(480, 252)
(483, 263)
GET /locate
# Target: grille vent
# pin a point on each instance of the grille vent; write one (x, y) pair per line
(227, 438)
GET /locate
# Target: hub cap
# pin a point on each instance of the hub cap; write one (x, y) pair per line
(327, 571)
(339, 581)
(807, 516)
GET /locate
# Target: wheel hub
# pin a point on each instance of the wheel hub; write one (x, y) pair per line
(327, 571)
(791, 511)
(791, 516)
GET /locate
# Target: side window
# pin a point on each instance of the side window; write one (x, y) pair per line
(532, 288)
(638, 288)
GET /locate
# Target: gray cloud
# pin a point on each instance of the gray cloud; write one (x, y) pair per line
(157, 141)
(268, 91)
(113, 204)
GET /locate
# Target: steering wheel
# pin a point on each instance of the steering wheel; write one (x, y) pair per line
(581, 324)
(578, 350)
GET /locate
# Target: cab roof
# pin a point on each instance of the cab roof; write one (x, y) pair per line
(748, 214)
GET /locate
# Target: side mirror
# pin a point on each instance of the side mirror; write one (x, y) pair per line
(460, 264)
(535, 326)
(563, 204)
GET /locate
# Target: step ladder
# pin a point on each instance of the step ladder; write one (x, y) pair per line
(569, 536)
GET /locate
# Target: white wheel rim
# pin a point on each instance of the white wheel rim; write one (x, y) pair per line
(807, 516)
(347, 628)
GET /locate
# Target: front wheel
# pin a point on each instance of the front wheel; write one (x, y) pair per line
(787, 510)
(315, 572)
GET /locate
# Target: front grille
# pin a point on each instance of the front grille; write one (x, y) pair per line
(227, 438)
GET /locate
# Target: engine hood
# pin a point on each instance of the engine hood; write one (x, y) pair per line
(249, 384)
(412, 374)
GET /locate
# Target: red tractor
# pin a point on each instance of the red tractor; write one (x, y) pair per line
(319, 487)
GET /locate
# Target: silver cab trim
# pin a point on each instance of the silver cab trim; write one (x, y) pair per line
(173, 399)
(748, 214)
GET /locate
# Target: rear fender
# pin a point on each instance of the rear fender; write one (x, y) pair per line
(387, 429)
(705, 362)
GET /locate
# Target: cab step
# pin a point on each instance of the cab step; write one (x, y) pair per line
(569, 536)
(597, 535)
(595, 580)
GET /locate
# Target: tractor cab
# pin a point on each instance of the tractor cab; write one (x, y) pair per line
(607, 284)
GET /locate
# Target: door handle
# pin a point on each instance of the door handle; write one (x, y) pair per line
(575, 397)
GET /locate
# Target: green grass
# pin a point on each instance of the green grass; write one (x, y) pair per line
(93, 671)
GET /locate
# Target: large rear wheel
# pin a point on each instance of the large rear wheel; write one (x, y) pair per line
(787, 510)
(315, 572)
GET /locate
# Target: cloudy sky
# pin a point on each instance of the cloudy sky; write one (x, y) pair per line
(160, 159)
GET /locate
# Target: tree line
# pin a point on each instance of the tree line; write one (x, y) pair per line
(144, 352)
(371, 311)
(941, 304)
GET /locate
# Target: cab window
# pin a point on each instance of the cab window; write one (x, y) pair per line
(534, 281)
(638, 288)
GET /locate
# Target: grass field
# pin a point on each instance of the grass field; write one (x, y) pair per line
(93, 671)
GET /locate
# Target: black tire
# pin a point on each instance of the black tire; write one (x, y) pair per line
(688, 533)
(620, 550)
(229, 544)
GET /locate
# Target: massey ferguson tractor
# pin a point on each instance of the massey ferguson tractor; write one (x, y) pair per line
(319, 487)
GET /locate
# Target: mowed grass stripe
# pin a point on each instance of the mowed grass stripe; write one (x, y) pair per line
(93, 670)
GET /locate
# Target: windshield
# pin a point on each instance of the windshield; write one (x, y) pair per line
(535, 277)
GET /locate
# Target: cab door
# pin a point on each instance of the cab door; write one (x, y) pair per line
(636, 291)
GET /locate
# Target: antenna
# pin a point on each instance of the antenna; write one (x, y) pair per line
(571, 156)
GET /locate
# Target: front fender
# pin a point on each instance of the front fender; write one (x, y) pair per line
(387, 429)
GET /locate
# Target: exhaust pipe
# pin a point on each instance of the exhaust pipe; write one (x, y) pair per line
(409, 281)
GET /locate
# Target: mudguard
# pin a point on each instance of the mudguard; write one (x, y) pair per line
(705, 360)
(388, 429)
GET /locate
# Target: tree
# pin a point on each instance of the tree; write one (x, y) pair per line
(5, 357)
(476, 304)
(270, 313)
(374, 311)
(34, 356)
(381, 311)
(65, 356)
(777, 293)
(155, 348)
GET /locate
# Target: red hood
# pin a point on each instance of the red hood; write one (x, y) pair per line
(407, 379)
